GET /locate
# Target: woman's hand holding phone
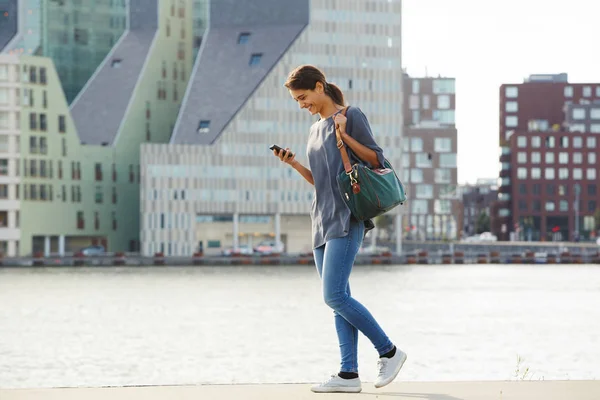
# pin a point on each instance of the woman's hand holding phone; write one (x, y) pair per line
(285, 155)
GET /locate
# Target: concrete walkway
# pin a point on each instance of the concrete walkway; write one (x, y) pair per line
(513, 390)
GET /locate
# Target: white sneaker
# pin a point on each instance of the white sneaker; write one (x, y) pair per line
(335, 384)
(388, 368)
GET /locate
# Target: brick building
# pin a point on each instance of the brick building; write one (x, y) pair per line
(429, 159)
(549, 134)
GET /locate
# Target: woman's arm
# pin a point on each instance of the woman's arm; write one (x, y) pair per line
(305, 172)
(361, 151)
(291, 160)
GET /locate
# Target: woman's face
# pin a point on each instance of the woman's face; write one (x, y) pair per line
(312, 100)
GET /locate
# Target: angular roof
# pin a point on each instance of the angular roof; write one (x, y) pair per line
(223, 78)
(9, 24)
(101, 105)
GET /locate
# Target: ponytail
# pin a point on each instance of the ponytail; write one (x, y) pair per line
(335, 93)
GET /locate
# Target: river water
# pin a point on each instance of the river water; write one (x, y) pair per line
(249, 324)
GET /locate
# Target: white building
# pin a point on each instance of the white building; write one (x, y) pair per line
(217, 184)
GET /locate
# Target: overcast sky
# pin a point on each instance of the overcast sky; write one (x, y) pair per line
(486, 43)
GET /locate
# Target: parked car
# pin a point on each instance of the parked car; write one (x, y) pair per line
(243, 249)
(269, 247)
(93, 251)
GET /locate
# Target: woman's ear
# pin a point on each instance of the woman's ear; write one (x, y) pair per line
(319, 88)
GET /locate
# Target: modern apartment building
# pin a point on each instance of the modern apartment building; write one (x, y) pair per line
(72, 173)
(77, 35)
(549, 133)
(429, 159)
(217, 184)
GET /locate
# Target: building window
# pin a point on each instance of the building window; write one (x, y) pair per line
(564, 142)
(550, 206)
(591, 173)
(98, 171)
(33, 168)
(568, 91)
(577, 142)
(512, 106)
(577, 174)
(43, 169)
(442, 145)
(577, 158)
(80, 220)
(3, 167)
(448, 160)
(511, 92)
(563, 205)
(591, 142)
(62, 128)
(587, 91)
(549, 173)
(114, 195)
(33, 74)
(423, 160)
(204, 126)
(579, 113)
(563, 173)
(550, 142)
(563, 158)
(444, 86)
(131, 174)
(416, 175)
(419, 207)
(536, 173)
(416, 144)
(591, 158)
(522, 173)
(424, 191)
(99, 197)
(43, 123)
(443, 102)
(591, 190)
(512, 121)
(522, 157)
(33, 121)
(96, 220)
(536, 157)
(577, 128)
(33, 147)
(64, 147)
(549, 158)
(442, 176)
(522, 141)
(243, 38)
(255, 59)
(114, 220)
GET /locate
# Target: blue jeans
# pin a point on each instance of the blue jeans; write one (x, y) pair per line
(334, 261)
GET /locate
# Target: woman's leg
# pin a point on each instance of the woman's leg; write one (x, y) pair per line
(346, 332)
(337, 262)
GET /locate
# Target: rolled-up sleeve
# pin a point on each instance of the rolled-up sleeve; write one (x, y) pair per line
(358, 128)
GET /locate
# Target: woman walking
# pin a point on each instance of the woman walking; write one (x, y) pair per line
(337, 235)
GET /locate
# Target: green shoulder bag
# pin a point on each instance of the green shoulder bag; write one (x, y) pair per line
(368, 192)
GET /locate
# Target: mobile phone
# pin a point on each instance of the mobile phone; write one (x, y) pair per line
(275, 147)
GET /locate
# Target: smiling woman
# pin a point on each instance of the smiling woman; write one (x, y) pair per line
(337, 235)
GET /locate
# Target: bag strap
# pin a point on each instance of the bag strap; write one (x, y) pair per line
(341, 146)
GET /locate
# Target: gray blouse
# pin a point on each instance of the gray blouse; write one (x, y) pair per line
(330, 215)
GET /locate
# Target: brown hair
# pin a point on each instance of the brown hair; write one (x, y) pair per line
(305, 77)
